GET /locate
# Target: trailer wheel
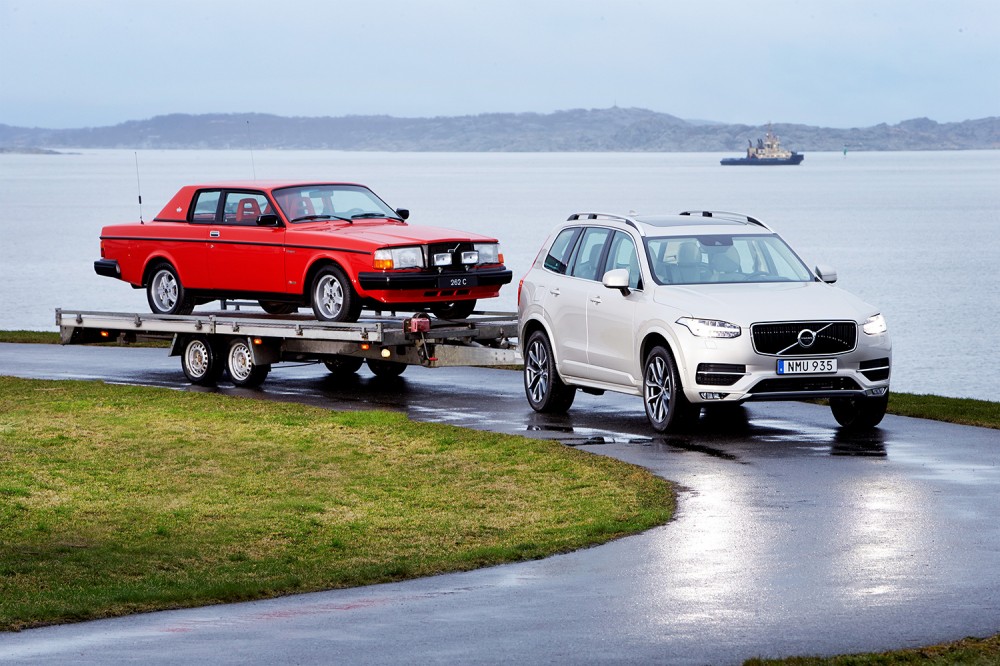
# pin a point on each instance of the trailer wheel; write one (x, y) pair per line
(333, 297)
(240, 365)
(386, 369)
(344, 365)
(165, 293)
(200, 360)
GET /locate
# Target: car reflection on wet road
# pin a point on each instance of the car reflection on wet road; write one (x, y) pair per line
(791, 537)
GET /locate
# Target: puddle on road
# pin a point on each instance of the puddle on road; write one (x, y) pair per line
(587, 436)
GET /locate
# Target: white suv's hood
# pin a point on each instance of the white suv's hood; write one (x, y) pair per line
(747, 303)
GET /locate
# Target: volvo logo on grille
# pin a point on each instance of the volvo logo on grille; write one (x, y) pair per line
(806, 338)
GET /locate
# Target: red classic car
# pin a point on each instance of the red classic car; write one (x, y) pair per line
(335, 246)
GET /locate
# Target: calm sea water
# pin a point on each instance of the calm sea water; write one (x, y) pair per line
(914, 233)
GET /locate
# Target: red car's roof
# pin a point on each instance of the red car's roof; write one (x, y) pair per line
(176, 209)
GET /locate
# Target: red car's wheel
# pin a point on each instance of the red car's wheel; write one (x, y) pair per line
(333, 297)
(165, 292)
(454, 309)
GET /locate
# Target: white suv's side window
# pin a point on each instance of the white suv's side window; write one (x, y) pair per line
(557, 260)
(623, 255)
(587, 261)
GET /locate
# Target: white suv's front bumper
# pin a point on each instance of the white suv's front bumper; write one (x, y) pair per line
(730, 370)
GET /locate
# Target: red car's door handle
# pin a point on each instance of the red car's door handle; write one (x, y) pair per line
(213, 234)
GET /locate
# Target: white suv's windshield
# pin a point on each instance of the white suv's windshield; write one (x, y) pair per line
(718, 258)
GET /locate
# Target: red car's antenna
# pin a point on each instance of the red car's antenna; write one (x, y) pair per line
(253, 167)
(138, 186)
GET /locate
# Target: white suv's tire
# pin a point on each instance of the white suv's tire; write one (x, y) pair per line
(546, 393)
(662, 395)
(859, 413)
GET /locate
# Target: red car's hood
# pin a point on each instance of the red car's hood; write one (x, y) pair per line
(376, 234)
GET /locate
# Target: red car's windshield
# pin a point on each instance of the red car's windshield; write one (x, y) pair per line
(319, 202)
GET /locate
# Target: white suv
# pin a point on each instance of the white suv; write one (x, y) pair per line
(701, 308)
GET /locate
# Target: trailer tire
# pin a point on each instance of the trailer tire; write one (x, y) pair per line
(386, 369)
(201, 361)
(344, 365)
(240, 365)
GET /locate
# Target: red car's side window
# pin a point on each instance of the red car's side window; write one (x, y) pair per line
(206, 206)
(244, 208)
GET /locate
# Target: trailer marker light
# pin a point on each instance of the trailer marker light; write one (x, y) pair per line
(258, 341)
(365, 346)
(105, 334)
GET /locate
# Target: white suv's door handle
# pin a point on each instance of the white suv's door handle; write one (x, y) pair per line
(596, 300)
(555, 292)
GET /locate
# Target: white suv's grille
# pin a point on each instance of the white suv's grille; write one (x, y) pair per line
(804, 338)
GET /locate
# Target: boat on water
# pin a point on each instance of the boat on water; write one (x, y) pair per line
(768, 151)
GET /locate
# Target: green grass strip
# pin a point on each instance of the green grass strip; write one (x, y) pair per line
(119, 499)
(968, 652)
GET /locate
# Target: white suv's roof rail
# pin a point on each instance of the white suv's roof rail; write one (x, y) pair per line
(740, 217)
(598, 216)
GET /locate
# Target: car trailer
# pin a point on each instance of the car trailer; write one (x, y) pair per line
(247, 344)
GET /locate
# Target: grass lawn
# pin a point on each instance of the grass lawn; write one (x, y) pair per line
(119, 499)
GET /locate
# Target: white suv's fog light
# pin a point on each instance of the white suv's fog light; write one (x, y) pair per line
(713, 396)
(878, 391)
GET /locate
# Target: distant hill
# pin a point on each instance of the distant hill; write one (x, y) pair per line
(614, 129)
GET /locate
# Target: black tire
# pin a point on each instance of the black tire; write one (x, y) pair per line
(859, 413)
(278, 308)
(344, 365)
(333, 297)
(454, 309)
(663, 395)
(240, 366)
(386, 369)
(201, 361)
(545, 391)
(165, 293)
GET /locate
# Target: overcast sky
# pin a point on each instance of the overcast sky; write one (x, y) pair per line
(855, 63)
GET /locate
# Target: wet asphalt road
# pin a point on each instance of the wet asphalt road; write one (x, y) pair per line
(791, 538)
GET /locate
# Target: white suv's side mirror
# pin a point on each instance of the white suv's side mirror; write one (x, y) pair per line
(617, 279)
(826, 273)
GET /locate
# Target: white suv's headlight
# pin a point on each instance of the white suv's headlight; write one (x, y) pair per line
(489, 253)
(398, 257)
(710, 328)
(875, 325)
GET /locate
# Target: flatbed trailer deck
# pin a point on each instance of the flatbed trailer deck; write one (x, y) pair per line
(247, 344)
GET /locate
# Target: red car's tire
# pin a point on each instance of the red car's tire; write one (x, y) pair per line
(333, 297)
(165, 293)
